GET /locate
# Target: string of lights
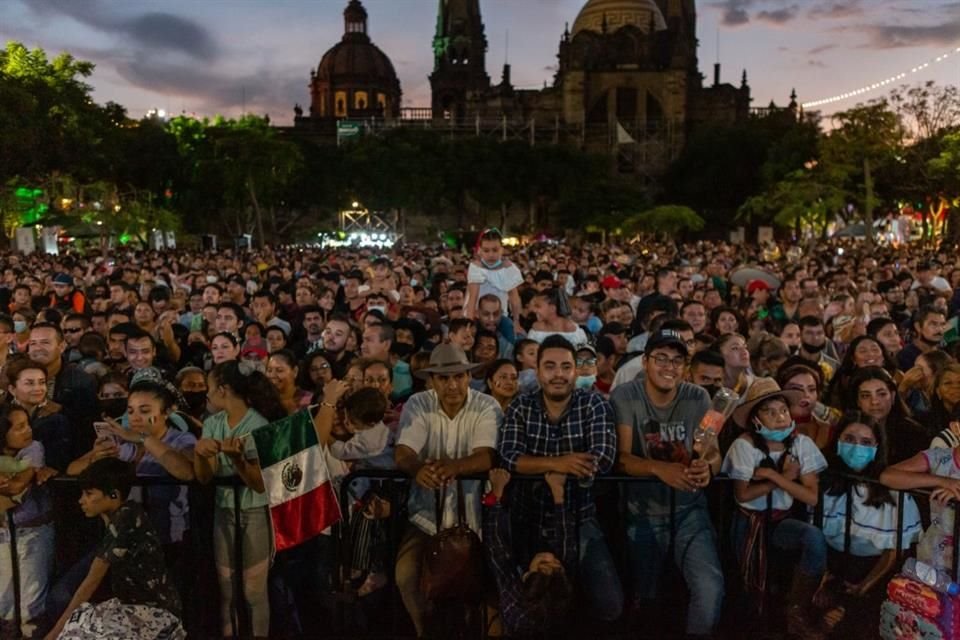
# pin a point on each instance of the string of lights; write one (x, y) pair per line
(881, 84)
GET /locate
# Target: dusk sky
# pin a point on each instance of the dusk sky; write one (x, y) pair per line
(215, 56)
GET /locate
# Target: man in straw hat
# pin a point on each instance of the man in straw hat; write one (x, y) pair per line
(657, 414)
(446, 432)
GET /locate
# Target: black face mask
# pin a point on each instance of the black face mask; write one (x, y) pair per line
(113, 408)
(811, 348)
(794, 349)
(711, 389)
(196, 400)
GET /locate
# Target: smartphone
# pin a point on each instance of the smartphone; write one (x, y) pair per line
(102, 429)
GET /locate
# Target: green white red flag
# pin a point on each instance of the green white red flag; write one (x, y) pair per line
(302, 498)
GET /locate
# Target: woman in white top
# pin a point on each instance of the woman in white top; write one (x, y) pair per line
(553, 317)
(772, 466)
(855, 584)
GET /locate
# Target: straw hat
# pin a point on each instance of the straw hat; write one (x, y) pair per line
(761, 390)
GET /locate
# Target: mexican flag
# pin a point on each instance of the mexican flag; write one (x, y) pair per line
(302, 499)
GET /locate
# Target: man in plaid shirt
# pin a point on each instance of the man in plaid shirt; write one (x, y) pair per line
(561, 429)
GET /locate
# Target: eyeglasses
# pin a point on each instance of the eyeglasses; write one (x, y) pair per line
(662, 360)
(586, 362)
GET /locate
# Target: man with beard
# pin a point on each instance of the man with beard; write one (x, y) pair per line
(657, 415)
(813, 340)
(789, 306)
(335, 336)
(928, 326)
(561, 429)
(894, 297)
(313, 327)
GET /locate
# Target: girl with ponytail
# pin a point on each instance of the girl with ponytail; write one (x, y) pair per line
(242, 400)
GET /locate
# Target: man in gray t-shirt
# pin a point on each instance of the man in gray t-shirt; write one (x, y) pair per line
(657, 415)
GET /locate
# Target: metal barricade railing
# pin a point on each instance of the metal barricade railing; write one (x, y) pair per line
(241, 622)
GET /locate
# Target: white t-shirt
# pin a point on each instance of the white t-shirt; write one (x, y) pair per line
(743, 459)
(873, 530)
(426, 429)
(499, 282)
(576, 338)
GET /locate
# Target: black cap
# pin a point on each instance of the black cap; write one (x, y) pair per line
(666, 338)
(612, 329)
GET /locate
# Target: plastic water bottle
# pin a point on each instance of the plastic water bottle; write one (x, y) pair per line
(705, 437)
(930, 576)
(827, 415)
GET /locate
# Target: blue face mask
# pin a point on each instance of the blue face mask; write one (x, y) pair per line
(491, 265)
(776, 435)
(856, 456)
(585, 382)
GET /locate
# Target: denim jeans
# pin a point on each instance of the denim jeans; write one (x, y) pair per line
(695, 554)
(35, 561)
(597, 573)
(790, 535)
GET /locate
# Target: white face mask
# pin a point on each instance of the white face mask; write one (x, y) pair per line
(211, 279)
(382, 310)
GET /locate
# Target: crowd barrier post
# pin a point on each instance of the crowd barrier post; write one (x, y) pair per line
(15, 575)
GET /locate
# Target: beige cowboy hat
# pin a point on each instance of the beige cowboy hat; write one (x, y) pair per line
(447, 359)
(761, 390)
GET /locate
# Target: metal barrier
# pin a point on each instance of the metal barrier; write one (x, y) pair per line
(240, 622)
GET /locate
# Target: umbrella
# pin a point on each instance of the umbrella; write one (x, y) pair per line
(745, 275)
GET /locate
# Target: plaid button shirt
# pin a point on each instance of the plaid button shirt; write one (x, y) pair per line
(587, 426)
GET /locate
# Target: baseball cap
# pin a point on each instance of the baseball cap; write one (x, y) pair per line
(666, 338)
(62, 278)
(611, 282)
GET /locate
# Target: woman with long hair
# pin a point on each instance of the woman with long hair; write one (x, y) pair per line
(864, 351)
(918, 383)
(244, 400)
(724, 320)
(873, 391)
(502, 380)
(29, 507)
(282, 371)
(944, 412)
(855, 583)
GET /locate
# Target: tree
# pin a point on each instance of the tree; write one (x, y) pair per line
(808, 197)
(946, 167)
(866, 138)
(667, 220)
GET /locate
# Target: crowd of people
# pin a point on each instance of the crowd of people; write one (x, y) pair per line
(560, 362)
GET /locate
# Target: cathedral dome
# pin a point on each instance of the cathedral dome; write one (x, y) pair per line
(353, 58)
(619, 13)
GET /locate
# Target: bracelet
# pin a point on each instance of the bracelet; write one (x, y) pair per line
(143, 438)
(328, 404)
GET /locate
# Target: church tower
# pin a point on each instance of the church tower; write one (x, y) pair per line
(459, 52)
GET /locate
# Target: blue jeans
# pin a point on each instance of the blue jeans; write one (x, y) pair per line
(597, 574)
(35, 562)
(790, 535)
(695, 554)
